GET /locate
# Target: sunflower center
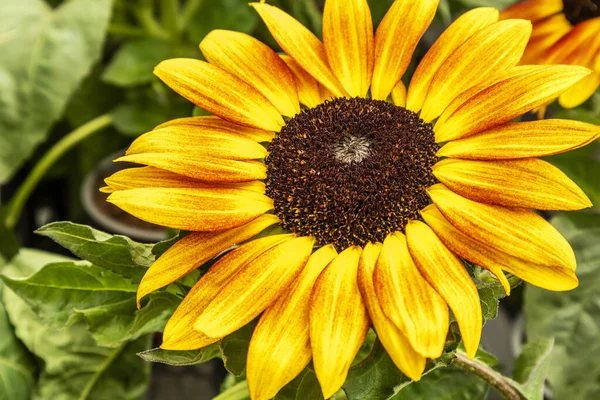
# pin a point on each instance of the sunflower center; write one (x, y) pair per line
(578, 11)
(351, 171)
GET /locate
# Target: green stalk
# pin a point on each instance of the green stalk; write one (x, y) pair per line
(188, 12)
(493, 377)
(54, 154)
(169, 12)
(145, 16)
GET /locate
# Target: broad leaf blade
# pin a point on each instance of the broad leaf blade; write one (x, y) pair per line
(531, 368)
(45, 54)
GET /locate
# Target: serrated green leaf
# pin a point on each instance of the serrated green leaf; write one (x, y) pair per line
(448, 383)
(46, 53)
(181, 358)
(115, 253)
(234, 349)
(531, 368)
(573, 317)
(134, 62)
(60, 291)
(74, 367)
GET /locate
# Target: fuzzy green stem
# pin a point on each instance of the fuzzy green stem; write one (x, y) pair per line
(51, 156)
(494, 378)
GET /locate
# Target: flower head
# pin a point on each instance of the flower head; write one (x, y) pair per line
(564, 32)
(373, 204)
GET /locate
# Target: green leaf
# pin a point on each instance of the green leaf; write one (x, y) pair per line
(134, 62)
(115, 253)
(181, 358)
(74, 367)
(60, 291)
(221, 14)
(239, 391)
(531, 368)
(445, 384)
(234, 349)
(304, 386)
(139, 115)
(46, 53)
(573, 317)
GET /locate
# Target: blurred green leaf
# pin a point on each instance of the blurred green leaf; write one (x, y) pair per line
(573, 317)
(45, 54)
(74, 367)
(445, 384)
(134, 62)
(115, 253)
(221, 14)
(239, 391)
(531, 368)
(304, 386)
(181, 358)
(138, 116)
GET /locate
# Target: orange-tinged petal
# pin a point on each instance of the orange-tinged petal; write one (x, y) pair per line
(527, 183)
(411, 363)
(523, 140)
(308, 87)
(220, 93)
(179, 333)
(464, 246)
(348, 39)
(533, 9)
(209, 169)
(519, 232)
(192, 209)
(408, 300)
(408, 20)
(338, 320)
(255, 287)
(280, 345)
(506, 100)
(149, 177)
(300, 44)
(580, 92)
(552, 278)
(490, 50)
(399, 94)
(447, 274)
(211, 124)
(256, 64)
(460, 30)
(197, 142)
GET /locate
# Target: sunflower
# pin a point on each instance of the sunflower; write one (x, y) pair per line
(564, 32)
(372, 195)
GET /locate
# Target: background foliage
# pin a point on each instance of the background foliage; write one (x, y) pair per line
(69, 329)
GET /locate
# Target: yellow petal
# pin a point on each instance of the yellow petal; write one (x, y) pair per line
(580, 92)
(219, 93)
(534, 10)
(256, 64)
(523, 140)
(411, 363)
(456, 34)
(149, 177)
(408, 300)
(197, 142)
(280, 345)
(506, 100)
(211, 124)
(209, 169)
(447, 274)
(519, 232)
(338, 320)
(464, 246)
(255, 287)
(527, 183)
(399, 94)
(551, 278)
(490, 50)
(348, 39)
(193, 209)
(300, 44)
(308, 87)
(408, 20)
(179, 333)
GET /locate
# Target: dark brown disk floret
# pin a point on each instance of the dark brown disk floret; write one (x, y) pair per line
(578, 11)
(350, 171)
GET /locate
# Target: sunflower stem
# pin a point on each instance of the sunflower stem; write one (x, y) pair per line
(55, 153)
(494, 378)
